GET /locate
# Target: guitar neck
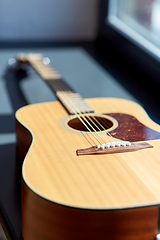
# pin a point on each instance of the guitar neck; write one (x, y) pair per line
(70, 99)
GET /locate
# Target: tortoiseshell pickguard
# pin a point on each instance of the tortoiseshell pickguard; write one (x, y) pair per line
(130, 129)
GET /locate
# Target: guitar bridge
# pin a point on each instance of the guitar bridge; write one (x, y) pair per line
(114, 147)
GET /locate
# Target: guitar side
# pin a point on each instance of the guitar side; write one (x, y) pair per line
(42, 219)
(90, 211)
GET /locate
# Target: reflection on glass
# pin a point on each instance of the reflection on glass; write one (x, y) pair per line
(142, 16)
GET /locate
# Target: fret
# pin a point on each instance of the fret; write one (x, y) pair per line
(73, 102)
(59, 85)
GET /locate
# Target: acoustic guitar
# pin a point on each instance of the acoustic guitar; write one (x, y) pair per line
(90, 168)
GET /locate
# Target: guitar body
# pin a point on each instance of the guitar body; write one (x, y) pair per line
(93, 196)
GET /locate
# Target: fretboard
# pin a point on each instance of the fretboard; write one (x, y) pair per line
(70, 99)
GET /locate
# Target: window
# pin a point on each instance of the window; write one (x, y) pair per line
(139, 20)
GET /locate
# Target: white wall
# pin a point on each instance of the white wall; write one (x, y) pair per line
(48, 19)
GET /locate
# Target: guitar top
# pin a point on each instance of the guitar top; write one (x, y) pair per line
(53, 170)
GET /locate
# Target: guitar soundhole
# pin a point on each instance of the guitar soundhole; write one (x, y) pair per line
(91, 123)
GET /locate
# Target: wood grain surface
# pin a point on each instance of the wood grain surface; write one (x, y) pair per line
(55, 175)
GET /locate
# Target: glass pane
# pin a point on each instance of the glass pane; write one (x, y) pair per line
(142, 16)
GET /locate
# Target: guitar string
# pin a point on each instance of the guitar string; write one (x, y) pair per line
(80, 116)
(56, 88)
(104, 122)
(94, 123)
(85, 117)
(102, 126)
(43, 66)
(79, 113)
(74, 108)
